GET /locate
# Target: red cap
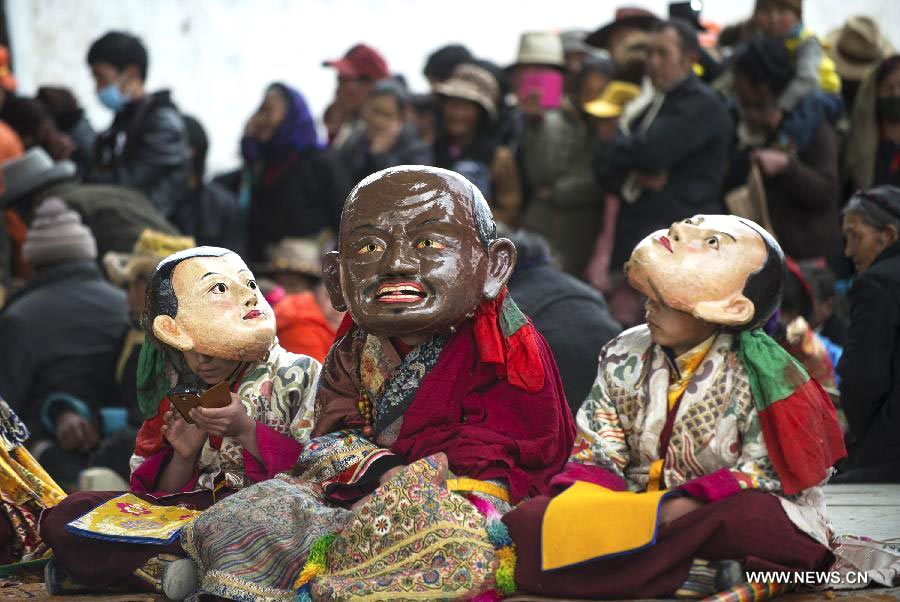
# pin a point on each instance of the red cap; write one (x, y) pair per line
(360, 61)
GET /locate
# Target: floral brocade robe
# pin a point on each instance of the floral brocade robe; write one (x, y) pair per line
(716, 425)
(279, 394)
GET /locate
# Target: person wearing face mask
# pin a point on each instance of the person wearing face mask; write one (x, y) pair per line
(146, 146)
(873, 145)
(870, 377)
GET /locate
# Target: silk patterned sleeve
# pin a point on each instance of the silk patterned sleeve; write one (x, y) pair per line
(600, 440)
(302, 396)
(754, 469)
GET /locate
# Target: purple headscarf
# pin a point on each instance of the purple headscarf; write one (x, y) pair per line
(295, 134)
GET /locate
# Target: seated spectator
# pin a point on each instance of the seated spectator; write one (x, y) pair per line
(199, 334)
(571, 315)
(146, 146)
(59, 339)
(441, 63)
(465, 145)
(289, 185)
(424, 115)
(667, 162)
(870, 378)
(71, 120)
(27, 491)
(799, 173)
(857, 48)
(306, 320)
(210, 212)
(388, 139)
(36, 127)
(115, 215)
(873, 145)
(358, 71)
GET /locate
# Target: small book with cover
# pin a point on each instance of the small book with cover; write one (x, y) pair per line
(129, 519)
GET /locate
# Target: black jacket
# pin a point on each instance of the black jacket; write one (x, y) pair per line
(299, 196)
(146, 148)
(870, 372)
(688, 140)
(361, 162)
(61, 334)
(572, 316)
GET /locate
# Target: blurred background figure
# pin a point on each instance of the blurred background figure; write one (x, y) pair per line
(857, 48)
(72, 121)
(357, 71)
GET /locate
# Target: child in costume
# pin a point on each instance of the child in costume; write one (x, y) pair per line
(206, 323)
(434, 367)
(718, 434)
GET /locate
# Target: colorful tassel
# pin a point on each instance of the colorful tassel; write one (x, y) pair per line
(316, 564)
(499, 537)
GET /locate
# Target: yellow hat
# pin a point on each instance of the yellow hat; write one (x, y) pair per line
(612, 102)
(150, 248)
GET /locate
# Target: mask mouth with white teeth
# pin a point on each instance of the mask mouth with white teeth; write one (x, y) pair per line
(394, 291)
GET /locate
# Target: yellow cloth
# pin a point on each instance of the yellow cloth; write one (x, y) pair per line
(474, 485)
(586, 522)
(23, 480)
(129, 518)
(829, 80)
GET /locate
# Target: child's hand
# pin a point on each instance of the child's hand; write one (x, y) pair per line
(185, 439)
(230, 421)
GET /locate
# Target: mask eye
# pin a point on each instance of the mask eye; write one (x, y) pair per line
(428, 243)
(218, 288)
(370, 248)
(713, 242)
(252, 284)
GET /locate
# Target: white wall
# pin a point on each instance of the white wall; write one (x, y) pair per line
(218, 55)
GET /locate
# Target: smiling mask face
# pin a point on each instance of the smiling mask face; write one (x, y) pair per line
(410, 260)
(221, 311)
(700, 266)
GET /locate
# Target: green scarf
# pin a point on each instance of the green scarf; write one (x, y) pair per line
(152, 385)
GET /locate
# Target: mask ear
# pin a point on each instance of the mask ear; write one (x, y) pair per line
(166, 330)
(732, 312)
(501, 261)
(331, 276)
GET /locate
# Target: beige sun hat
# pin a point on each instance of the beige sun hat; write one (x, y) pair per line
(541, 48)
(474, 83)
(611, 103)
(858, 47)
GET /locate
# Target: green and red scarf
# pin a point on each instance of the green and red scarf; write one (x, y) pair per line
(798, 419)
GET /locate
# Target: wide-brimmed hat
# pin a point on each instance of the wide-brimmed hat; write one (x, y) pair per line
(688, 12)
(294, 255)
(541, 48)
(611, 103)
(150, 248)
(30, 172)
(858, 47)
(638, 18)
(474, 83)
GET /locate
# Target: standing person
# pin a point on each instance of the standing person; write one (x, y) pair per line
(59, 339)
(566, 205)
(667, 162)
(358, 71)
(388, 139)
(71, 120)
(869, 368)
(799, 170)
(873, 145)
(465, 144)
(289, 185)
(857, 48)
(625, 39)
(146, 146)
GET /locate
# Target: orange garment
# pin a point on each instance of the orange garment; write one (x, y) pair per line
(302, 327)
(10, 143)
